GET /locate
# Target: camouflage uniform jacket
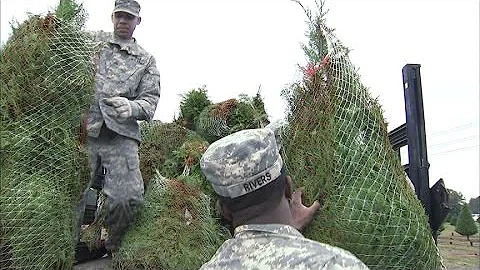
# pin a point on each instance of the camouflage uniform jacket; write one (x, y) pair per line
(124, 70)
(276, 246)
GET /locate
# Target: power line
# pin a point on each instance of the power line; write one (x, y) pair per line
(453, 129)
(454, 150)
(446, 143)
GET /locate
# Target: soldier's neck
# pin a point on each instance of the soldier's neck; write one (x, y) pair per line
(257, 215)
(123, 41)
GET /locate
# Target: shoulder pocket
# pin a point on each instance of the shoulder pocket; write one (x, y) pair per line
(132, 162)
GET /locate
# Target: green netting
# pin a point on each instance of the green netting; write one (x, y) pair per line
(174, 230)
(336, 146)
(211, 126)
(46, 84)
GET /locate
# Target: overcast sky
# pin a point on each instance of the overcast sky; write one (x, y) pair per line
(236, 47)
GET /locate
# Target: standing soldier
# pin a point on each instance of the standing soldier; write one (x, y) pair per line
(127, 89)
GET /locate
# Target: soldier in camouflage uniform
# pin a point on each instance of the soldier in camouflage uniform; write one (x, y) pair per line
(127, 89)
(246, 171)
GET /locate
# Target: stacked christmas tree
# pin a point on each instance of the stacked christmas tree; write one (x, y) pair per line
(179, 227)
(336, 146)
(46, 83)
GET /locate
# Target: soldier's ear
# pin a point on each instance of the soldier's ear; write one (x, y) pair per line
(288, 187)
(226, 213)
(139, 20)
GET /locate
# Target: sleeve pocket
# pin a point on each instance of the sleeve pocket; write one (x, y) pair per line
(132, 162)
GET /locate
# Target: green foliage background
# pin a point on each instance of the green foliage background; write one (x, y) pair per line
(474, 205)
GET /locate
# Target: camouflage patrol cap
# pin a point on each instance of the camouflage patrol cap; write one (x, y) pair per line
(129, 6)
(277, 127)
(242, 162)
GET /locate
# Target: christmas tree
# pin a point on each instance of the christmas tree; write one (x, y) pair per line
(336, 147)
(465, 223)
(46, 84)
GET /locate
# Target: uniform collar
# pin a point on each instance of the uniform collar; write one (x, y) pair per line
(245, 230)
(131, 46)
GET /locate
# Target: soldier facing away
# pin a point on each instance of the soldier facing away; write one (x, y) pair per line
(127, 89)
(246, 171)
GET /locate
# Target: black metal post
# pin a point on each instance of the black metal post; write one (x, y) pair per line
(398, 138)
(417, 146)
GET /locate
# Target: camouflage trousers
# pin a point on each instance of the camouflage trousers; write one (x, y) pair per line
(123, 184)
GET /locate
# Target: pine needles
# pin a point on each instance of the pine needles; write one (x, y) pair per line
(175, 230)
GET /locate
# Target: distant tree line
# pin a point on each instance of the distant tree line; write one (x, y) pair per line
(456, 201)
(460, 214)
(474, 205)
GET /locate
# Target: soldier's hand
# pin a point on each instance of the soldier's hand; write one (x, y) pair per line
(121, 106)
(301, 214)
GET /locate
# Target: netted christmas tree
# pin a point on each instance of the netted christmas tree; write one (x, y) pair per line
(46, 83)
(336, 146)
(159, 141)
(174, 230)
(172, 151)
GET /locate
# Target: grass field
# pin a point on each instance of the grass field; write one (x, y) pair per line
(456, 251)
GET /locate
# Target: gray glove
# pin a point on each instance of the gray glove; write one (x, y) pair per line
(123, 107)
